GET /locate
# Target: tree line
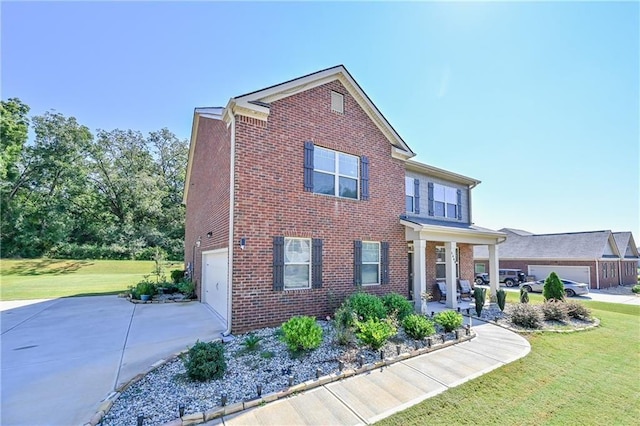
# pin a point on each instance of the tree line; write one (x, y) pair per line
(68, 193)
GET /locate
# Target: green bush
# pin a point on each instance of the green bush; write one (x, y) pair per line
(578, 310)
(394, 302)
(205, 361)
(525, 315)
(479, 295)
(143, 287)
(418, 327)
(344, 316)
(636, 289)
(187, 288)
(555, 310)
(449, 320)
(251, 342)
(553, 287)
(524, 296)
(367, 306)
(374, 332)
(501, 295)
(177, 275)
(301, 333)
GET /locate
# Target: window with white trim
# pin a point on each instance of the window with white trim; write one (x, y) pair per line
(335, 173)
(297, 263)
(409, 194)
(445, 201)
(441, 263)
(370, 262)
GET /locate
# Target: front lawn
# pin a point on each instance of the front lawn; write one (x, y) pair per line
(50, 278)
(586, 378)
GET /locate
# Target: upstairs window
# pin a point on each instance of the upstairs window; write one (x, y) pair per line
(335, 173)
(412, 195)
(445, 201)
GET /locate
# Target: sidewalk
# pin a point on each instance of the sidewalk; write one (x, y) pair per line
(370, 397)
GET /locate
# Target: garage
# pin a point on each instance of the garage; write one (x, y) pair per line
(580, 274)
(214, 281)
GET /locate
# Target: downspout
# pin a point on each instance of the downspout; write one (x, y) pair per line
(619, 272)
(597, 275)
(231, 214)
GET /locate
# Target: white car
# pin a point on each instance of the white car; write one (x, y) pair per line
(571, 288)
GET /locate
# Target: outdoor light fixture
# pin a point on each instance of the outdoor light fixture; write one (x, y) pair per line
(457, 334)
(209, 234)
(398, 349)
(223, 399)
(259, 389)
(290, 381)
(181, 410)
(198, 241)
(140, 419)
(318, 372)
(467, 329)
(361, 360)
(340, 365)
(243, 243)
(429, 342)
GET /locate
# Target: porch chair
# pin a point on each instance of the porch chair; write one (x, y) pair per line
(466, 292)
(442, 289)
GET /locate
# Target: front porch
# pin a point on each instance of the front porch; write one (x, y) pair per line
(436, 257)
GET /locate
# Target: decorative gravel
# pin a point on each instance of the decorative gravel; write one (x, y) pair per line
(158, 395)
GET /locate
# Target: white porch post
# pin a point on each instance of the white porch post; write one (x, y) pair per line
(419, 272)
(450, 264)
(493, 272)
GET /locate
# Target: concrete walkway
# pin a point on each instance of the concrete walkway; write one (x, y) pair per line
(61, 357)
(370, 397)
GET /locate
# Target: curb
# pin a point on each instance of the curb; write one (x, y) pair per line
(216, 412)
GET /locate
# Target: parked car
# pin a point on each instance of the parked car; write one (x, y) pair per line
(509, 277)
(571, 288)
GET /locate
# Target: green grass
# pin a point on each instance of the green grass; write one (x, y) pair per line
(585, 378)
(50, 278)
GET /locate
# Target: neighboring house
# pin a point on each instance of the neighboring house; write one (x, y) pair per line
(599, 258)
(299, 194)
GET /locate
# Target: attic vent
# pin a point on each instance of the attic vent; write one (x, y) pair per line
(337, 102)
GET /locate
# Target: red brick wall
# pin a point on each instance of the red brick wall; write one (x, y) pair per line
(465, 261)
(208, 196)
(270, 201)
(629, 274)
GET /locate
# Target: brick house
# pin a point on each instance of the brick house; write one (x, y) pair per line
(601, 259)
(299, 194)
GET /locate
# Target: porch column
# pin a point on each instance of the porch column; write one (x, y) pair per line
(450, 273)
(419, 272)
(494, 275)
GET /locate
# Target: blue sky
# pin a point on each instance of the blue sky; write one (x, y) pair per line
(539, 101)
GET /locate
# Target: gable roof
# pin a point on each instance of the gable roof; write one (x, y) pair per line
(256, 104)
(566, 246)
(626, 245)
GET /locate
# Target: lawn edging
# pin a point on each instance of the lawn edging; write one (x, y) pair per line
(463, 335)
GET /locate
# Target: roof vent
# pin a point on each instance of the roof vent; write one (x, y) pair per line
(337, 102)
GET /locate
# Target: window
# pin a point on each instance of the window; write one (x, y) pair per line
(297, 263)
(480, 268)
(613, 270)
(445, 201)
(441, 264)
(409, 191)
(337, 102)
(335, 173)
(604, 270)
(370, 263)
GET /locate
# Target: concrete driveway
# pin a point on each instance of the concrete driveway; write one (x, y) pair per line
(61, 357)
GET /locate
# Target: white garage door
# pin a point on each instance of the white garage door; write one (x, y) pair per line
(581, 274)
(214, 280)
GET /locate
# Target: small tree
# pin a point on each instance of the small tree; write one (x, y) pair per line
(524, 296)
(553, 288)
(502, 299)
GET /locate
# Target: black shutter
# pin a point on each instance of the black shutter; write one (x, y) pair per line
(459, 204)
(357, 263)
(416, 196)
(316, 263)
(308, 166)
(278, 263)
(430, 187)
(364, 178)
(384, 263)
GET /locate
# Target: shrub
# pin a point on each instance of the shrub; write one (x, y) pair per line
(501, 295)
(143, 287)
(344, 316)
(177, 275)
(367, 306)
(526, 316)
(553, 287)
(555, 310)
(479, 295)
(374, 332)
(301, 333)
(187, 288)
(394, 302)
(205, 361)
(418, 327)
(578, 310)
(449, 320)
(636, 289)
(524, 296)
(251, 342)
